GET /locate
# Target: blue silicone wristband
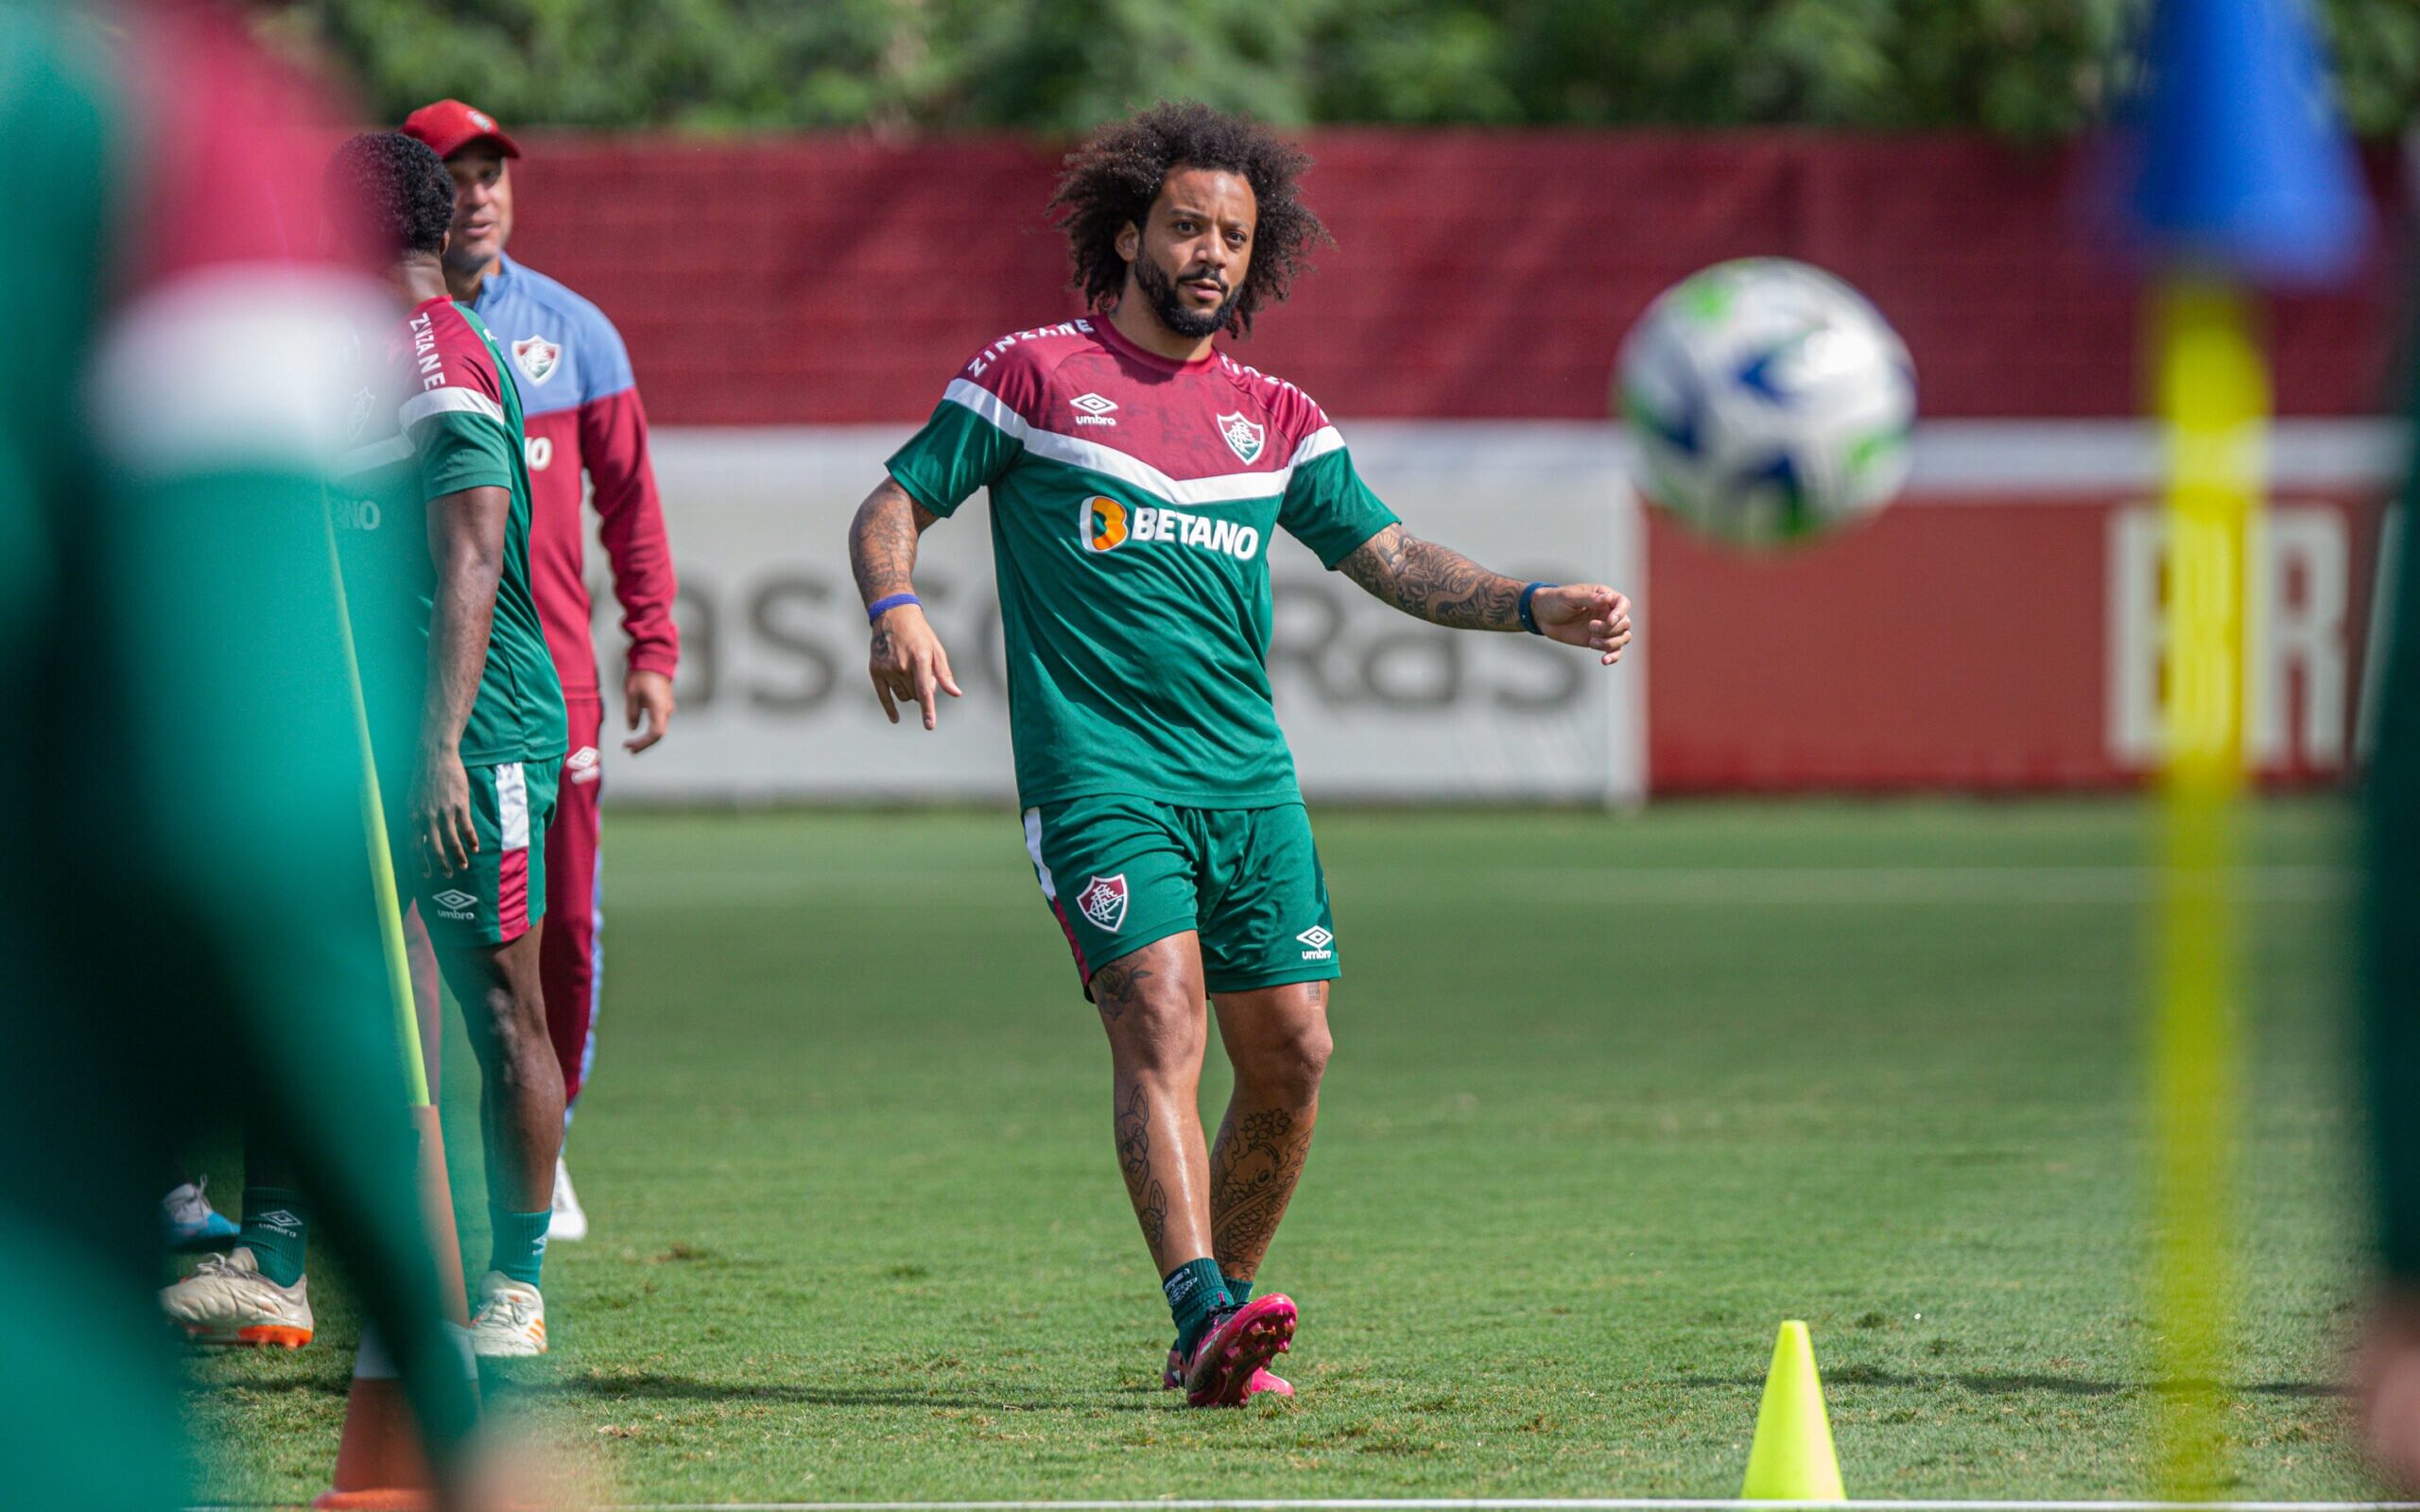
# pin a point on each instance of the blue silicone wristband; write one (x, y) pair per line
(1529, 621)
(880, 607)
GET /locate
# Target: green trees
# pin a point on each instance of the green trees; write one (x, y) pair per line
(2021, 68)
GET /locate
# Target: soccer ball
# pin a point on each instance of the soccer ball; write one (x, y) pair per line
(1768, 400)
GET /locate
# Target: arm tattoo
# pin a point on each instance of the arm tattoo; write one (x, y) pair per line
(1151, 1199)
(1254, 1170)
(1429, 582)
(882, 541)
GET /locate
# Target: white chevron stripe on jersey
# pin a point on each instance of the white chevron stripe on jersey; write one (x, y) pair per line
(1091, 456)
(441, 401)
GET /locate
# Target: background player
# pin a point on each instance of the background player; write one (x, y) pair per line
(172, 410)
(1137, 475)
(432, 516)
(580, 403)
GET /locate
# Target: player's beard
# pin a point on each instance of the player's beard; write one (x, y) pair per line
(1167, 302)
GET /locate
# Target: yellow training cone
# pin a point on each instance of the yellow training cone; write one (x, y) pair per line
(1791, 1460)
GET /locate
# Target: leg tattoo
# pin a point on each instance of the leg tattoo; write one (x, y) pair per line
(1254, 1170)
(1151, 1199)
(1118, 987)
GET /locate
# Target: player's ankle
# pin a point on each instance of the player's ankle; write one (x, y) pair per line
(1197, 1294)
(274, 1230)
(519, 1244)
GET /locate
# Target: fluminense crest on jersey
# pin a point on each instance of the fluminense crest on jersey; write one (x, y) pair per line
(536, 357)
(1103, 901)
(1245, 437)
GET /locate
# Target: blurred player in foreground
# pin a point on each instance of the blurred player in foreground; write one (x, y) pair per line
(1137, 476)
(432, 517)
(173, 402)
(2388, 1368)
(580, 405)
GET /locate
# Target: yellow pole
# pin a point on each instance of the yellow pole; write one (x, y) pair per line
(382, 864)
(2213, 400)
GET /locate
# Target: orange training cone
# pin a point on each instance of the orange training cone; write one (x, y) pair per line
(380, 1464)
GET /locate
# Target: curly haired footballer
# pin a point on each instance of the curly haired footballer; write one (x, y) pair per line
(1112, 179)
(396, 192)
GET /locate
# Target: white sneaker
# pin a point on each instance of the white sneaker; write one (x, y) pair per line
(227, 1300)
(511, 1319)
(190, 1222)
(567, 1221)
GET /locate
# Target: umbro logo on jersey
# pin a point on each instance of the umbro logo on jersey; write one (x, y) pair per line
(537, 357)
(1318, 940)
(1244, 438)
(1096, 410)
(454, 904)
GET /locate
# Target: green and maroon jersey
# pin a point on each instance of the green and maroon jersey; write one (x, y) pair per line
(442, 416)
(1134, 500)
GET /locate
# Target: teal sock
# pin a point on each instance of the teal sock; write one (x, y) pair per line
(1194, 1292)
(275, 1220)
(1237, 1291)
(517, 1245)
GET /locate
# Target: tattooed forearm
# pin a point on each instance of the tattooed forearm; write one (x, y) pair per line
(1426, 581)
(882, 541)
(1118, 987)
(1254, 1170)
(1151, 1199)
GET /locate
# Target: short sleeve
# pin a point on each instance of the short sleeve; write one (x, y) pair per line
(1327, 507)
(461, 441)
(969, 442)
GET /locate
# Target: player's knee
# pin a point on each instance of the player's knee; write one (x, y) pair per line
(1288, 1066)
(1156, 1047)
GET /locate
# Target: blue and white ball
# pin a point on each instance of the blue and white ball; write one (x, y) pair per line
(1768, 400)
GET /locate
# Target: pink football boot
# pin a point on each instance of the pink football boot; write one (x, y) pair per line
(1173, 1380)
(1226, 1365)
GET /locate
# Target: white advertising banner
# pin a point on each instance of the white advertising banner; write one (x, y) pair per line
(775, 703)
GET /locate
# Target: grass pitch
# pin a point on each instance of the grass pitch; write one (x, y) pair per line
(1612, 1097)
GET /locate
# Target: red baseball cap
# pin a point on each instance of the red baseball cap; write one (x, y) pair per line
(449, 125)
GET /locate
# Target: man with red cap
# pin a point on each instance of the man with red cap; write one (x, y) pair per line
(581, 408)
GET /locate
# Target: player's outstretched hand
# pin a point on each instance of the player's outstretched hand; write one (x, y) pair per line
(441, 810)
(1587, 614)
(908, 665)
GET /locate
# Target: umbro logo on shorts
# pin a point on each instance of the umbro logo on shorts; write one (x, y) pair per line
(1318, 940)
(455, 904)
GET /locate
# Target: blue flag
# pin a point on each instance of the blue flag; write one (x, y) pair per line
(2234, 157)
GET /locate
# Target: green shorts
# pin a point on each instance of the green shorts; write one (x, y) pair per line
(503, 895)
(1120, 872)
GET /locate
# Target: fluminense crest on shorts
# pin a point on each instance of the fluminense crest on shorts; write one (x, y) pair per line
(1243, 436)
(1103, 901)
(537, 357)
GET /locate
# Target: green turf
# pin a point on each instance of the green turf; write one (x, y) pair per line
(1612, 1097)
